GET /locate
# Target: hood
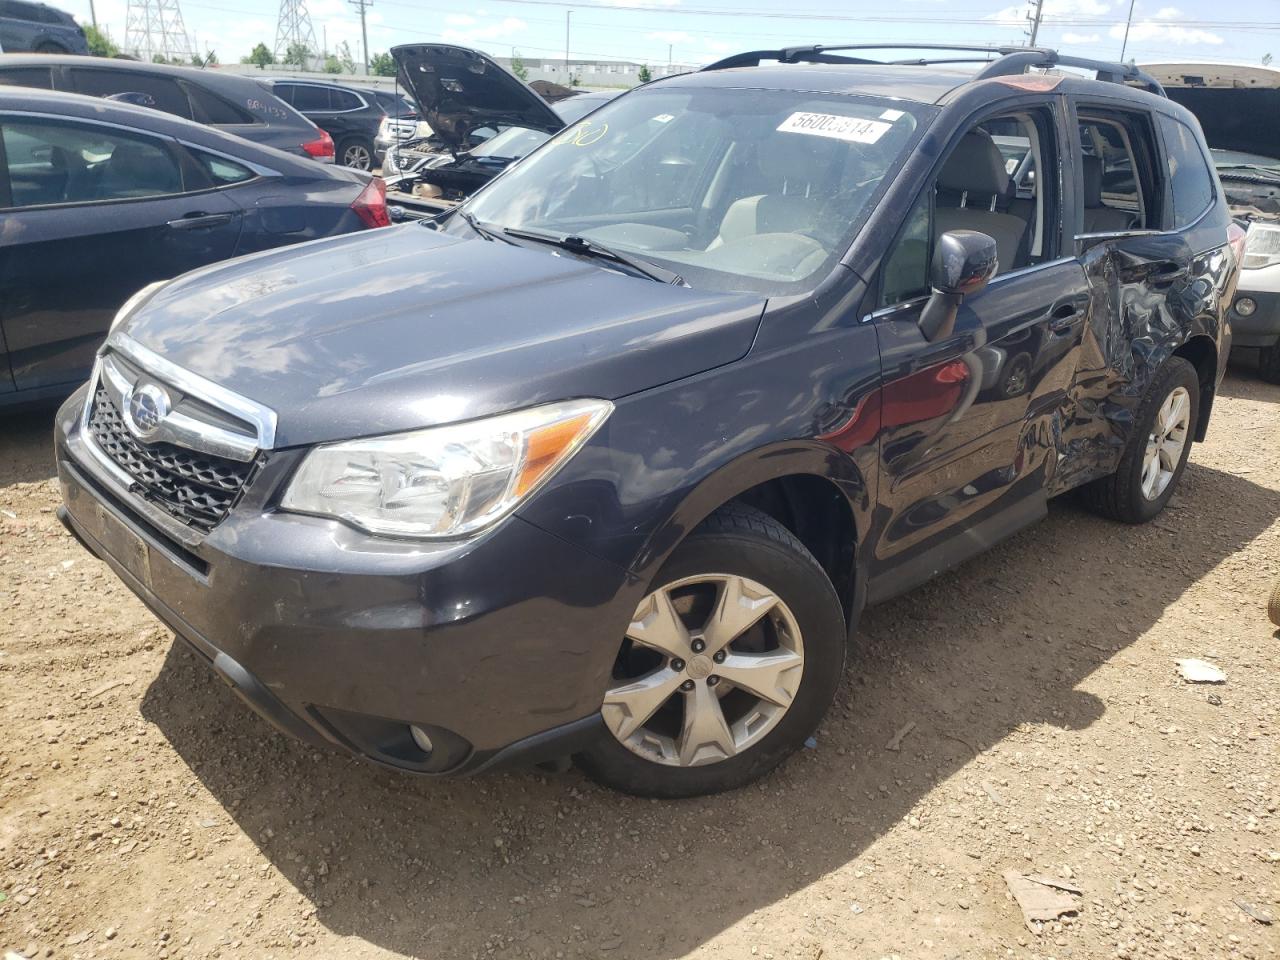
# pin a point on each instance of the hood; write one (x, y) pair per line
(405, 327)
(459, 90)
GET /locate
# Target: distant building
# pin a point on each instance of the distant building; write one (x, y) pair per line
(594, 73)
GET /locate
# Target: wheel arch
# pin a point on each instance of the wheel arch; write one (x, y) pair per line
(1202, 353)
(816, 492)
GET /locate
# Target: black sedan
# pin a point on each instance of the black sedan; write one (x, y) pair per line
(98, 199)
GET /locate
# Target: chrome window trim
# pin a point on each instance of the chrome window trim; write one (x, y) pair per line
(262, 418)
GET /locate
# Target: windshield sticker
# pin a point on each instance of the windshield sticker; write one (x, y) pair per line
(891, 115)
(583, 134)
(852, 129)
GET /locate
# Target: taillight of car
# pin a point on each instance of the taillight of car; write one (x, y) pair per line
(371, 205)
(321, 147)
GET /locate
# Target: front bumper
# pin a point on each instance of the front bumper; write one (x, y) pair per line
(1262, 327)
(500, 648)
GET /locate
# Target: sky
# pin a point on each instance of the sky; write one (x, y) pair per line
(699, 31)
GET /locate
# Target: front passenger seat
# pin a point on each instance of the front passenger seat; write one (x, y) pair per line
(976, 172)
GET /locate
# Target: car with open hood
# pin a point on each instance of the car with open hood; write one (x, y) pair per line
(477, 120)
(1239, 108)
(607, 462)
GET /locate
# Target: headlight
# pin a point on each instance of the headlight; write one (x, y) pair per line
(443, 482)
(1262, 247)
(134, 302)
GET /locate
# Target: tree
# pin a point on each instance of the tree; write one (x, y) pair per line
(260, 57)
(331, 64)
(297, 55)
(345, 60)
(382, 65)
(645, 73)
(518, 67)
(574, 79)
(1266, 59)
(100, 44)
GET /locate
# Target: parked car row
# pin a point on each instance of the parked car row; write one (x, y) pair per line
(99, 199)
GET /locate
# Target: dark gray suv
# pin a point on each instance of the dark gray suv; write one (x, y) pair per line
(607, 461)
(39, 28)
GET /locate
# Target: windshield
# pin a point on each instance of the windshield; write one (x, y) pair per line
(734, 190)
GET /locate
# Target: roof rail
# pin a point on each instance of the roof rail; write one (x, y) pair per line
(1000, 61)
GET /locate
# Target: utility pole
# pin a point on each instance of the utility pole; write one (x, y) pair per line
(567, 15)
(1127, 24)
(93, 15)
(362, 6)
(669, 46)
(1035, 19)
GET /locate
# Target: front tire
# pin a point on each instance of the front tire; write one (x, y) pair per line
(1273, 607)
(1156, 454)
(729, 665)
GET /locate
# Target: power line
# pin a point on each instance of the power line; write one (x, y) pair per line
(294, 31)
(154, 28)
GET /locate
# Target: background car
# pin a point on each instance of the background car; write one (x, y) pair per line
(99, 199)
(351, 117)
(1237, 105)
(224, 101)
(37, 27)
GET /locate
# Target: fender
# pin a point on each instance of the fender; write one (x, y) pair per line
(795, 458)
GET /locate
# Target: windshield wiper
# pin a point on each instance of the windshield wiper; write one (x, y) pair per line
(592, 248)
(1271, 173)
(487, 232)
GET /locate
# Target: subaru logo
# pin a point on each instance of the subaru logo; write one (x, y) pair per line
(145, 410)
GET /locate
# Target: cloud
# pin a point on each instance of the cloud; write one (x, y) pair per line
(638, 3)
(505, 28)
(1015, 15)
(1163, 28)
(459, 20)
(1080, 38)
(670, 36)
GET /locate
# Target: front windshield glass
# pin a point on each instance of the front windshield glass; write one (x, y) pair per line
(1234, 158)
(734, 190)
(510, 144)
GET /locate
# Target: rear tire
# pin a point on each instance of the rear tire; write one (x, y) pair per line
(49, 48)
(1133, 494)
(745, 554)
(1273, 608)
(1269, 363)
(356, 153)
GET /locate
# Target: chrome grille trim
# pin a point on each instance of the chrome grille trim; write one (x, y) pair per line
(211, 438)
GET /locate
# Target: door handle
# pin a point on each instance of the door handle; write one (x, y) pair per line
(1063, 317)
(200, 221)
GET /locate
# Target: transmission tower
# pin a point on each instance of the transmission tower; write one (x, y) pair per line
(154, 28)
(294, 27)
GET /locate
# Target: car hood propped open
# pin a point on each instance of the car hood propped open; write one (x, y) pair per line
(459, 90)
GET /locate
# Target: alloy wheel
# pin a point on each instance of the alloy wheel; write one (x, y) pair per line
(710, 665)
(357, 157)
(1165, 443)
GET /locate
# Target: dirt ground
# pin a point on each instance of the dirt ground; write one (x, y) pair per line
(145, 813)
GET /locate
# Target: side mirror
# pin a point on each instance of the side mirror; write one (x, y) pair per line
(963, 262)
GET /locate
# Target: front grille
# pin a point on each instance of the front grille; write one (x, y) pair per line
(197, 488)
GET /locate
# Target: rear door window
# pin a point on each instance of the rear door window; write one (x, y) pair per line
(162, 93)
(1120, 187)
(345, 100)
(210, 108)
(1190, 180)
(37, 77)
(307, 97)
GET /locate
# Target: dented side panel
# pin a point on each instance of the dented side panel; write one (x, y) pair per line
(1150, 296)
